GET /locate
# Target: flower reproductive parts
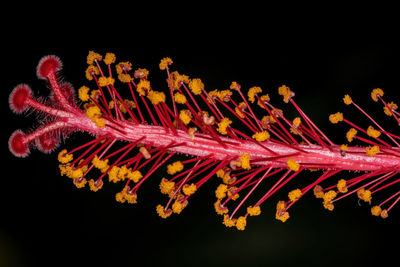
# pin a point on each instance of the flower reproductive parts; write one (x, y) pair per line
(234, 135)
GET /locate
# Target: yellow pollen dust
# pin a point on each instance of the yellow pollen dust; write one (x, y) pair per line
(335, 118)
(83, 93)
(364, 194)
(180, 98)
(156, 97)
(109, 58)
(185, 116)
(344, 147)
(376, 210)
(166, 187)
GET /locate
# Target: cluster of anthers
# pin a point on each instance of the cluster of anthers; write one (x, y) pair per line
(244, 150)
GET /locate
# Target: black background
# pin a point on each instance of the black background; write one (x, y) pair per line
(46, 221)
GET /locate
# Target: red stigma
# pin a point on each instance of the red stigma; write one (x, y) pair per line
(17, 144)
(47, 65)
(18, 98)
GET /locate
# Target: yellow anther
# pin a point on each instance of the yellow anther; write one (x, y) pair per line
(109, 58)
(180, 98)
(254, 211)
(350, 134)
(294, 195)
(329, 196)
(156, 97)
(221, 210)
(92, 57)
(175, 167)
(125, 78)
(344, 148)
(90, 71)
(223, 125)
(293, 165)
(220, 193)
(113, 174)
(296, 122)
(196, 86)
(342, 186)
(166, 186)
(64, 157)
(372, 150)
(261, 136)
(245, 161)
(189, 189)
(241, 223)
(79, 182)
(364, 194)
(186, 116)
(143, 87)
(376, 210)
(335, 118)
(83, 93)
(252, 93)
(95, 185)
(102, 165)
(263, 99)
(165, 62)
(286, 93)
(281, 213)
(228, 222)
(390, 108)
(234, 86)
(162, 212)
(123, 67)
(372, 132)
(135, 176)
(347, 99)
(318, 191)
(375, 93)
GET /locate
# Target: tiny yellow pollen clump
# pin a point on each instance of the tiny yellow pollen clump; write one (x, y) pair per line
(344, 147)
(347, 99)
(109, 58)
(263, 99)
(228, 222)
(245, 161)
(225, 95)
(294, 195)
(125, 78)
(102, 165)
(375, 93)
(223, 125)
(143, 87)
(93, 112)
(364, 195)
(156, 97)
(95, 185)
(165, 62)
(252, 93)
(79, 182)
(293, 165)
(234, 86)
(178, 206)
(376, 210)
(189, 189)
(123, 66)
(390, 108)
(220, 193)
(83, 93)
(180, 98)
(241, 223)
(90, 71)
(261, 136)
(329, 206)
(342, 186)
(318, 191)
(372, 150)
(162, 212)
(135, 176)
(196, 86)
(296, 122)
(64, 157)
(372, 132)
(185, 116)
(281, 213)
(254, 211)
(105, 81)
(113, 174)
(175, 167)
(335, 118)
(285, 92)
(166, 186)
(221, 210)
(329, 196)
(350, 134)
(92, 57)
